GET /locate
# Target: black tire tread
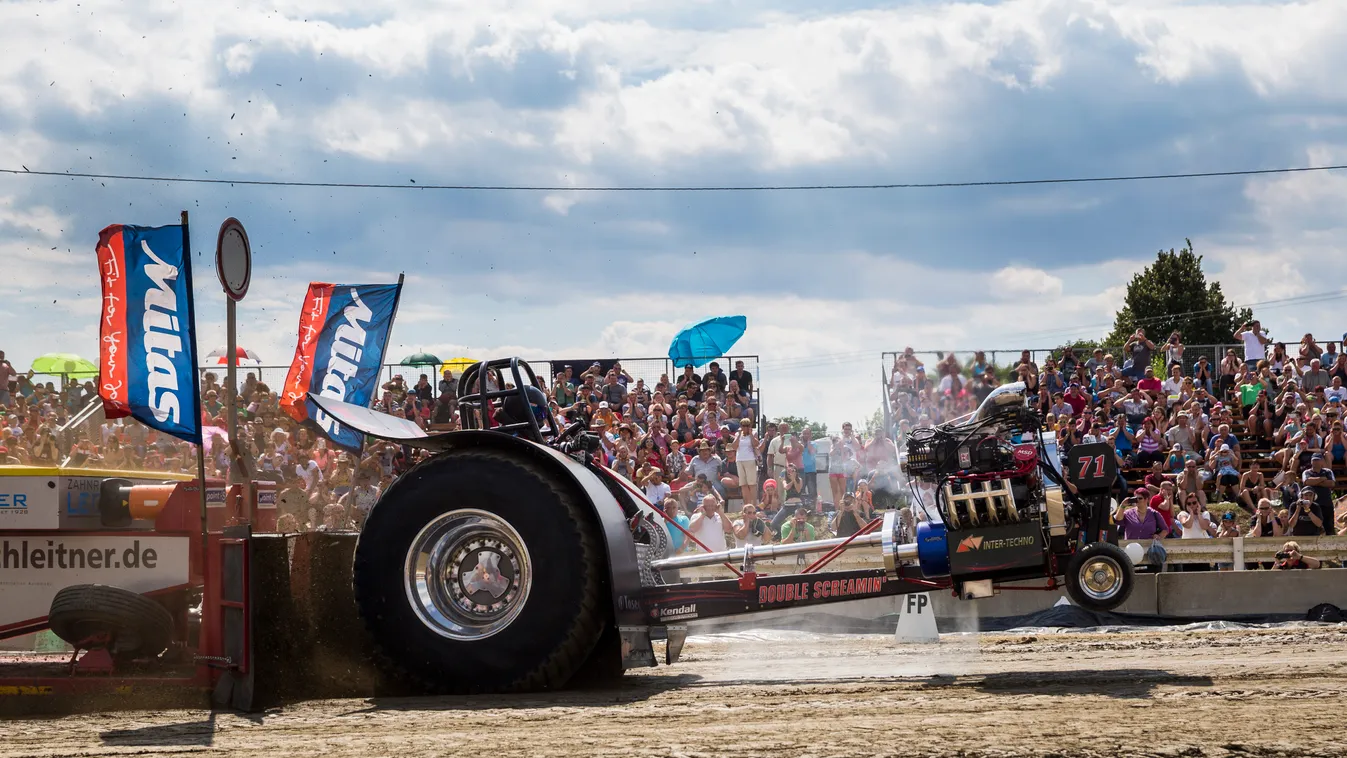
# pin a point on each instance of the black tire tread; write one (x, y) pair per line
(583, 637)
(115, 607)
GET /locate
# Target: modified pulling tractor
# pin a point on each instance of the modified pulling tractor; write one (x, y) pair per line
(512, 560)
(509, 560)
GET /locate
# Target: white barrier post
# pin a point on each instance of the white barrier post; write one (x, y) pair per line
(1238, 548)
(916, 619)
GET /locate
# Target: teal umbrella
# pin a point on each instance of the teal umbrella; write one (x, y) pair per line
(707, 340)
(421, 359)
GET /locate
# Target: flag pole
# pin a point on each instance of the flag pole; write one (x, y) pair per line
(196, 382)
(397, 298)
(388, 336)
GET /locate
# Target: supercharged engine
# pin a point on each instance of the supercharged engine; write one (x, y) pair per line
(991, 518)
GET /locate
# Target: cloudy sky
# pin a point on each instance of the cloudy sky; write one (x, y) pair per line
(639, 93)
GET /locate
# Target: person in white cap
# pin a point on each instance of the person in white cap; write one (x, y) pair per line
(1225, 464)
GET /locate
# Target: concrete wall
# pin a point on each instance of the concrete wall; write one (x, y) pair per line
(1222, 593)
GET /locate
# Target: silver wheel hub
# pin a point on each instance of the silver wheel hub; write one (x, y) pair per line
(468, 574)
(1101, 578)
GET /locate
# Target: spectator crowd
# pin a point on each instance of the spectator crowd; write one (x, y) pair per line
(692, 443)
(1253, 445)
(695, 445)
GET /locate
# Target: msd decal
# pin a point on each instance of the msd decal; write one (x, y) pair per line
(343, 330)
(147, 348)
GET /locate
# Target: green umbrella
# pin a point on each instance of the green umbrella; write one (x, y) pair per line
(421, 359)
(55, 364)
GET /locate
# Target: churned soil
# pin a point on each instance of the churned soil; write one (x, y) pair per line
(1209, 693)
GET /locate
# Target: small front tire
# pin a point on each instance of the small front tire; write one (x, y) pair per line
(1099, 577)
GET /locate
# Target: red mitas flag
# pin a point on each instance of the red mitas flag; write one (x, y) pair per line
(112, 369)
(312, 317)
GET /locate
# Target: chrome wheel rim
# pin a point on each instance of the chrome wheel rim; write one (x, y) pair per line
(1101, 578)
(468, 574)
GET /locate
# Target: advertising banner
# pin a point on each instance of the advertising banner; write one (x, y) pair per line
(34, 568)
(29, 502)
(343, 330)
(147, 349)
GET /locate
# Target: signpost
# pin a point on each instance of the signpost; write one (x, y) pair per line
(234, 266)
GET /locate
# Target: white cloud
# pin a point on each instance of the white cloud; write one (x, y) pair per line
(1017, 282)
(1278, 46)
(644, 92)
(41, 220)
(560, 203)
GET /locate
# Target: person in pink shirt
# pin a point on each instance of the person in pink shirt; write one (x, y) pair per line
(1152, 387)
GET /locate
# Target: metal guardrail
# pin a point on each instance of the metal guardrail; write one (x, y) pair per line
(1242, 550)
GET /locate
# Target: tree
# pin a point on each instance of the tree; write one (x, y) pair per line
(798, 423)
(1172, 294)
(874, 426)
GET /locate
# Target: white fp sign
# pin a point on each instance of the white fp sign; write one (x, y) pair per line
(916, 619)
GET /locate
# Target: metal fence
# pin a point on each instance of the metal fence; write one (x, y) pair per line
(649, 369)
(1003, 359)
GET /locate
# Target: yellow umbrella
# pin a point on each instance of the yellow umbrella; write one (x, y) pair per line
(457, 365)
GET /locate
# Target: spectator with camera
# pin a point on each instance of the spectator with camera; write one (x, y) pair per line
(1306, 517)
(752, 528)
(1290, 559)
(1194, 520)
(710, 524)
(673, 508)
(1138, 520)
(798, 528)
(1138, 350)
(1255, 342)
(847, 520)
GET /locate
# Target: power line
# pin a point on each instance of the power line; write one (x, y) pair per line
(1317, 297)
(412, 185)
(823, 360)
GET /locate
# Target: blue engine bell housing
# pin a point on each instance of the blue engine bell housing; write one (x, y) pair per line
(932, 549)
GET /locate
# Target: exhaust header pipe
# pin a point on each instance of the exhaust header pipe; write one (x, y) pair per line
(886, 538)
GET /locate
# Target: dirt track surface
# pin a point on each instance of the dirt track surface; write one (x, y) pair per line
(1242, 693)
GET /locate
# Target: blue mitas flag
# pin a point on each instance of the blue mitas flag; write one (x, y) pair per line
(343, 330)
(147, 343)
(707, 340)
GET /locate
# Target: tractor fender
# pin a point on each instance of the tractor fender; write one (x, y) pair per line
(623, 568)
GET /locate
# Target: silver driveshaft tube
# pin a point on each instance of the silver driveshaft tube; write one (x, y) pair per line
(761, 552)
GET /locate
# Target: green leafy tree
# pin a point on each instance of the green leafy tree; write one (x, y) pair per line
(798, 423)
(1173, 294)
(874, 426)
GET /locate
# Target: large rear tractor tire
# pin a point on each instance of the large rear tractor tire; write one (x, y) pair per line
(128, 624)
(1099, 577)
(477, 572)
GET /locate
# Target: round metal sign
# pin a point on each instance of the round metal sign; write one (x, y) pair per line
(233, 259)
